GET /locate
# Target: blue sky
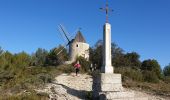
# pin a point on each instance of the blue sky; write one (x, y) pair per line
(142, 26)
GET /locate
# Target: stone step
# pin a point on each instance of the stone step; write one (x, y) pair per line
(123, 98)
(125, 95)
(135, 98)
(115, 95)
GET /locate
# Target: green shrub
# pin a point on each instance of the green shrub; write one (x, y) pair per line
(166, 70)
(167, 79)
(46, 78)
(25, 96)
(66, 68)
(129, 73)
(152, 67)
(150, 76)
(85, 65)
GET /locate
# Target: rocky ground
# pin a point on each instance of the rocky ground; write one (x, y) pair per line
(71, 87)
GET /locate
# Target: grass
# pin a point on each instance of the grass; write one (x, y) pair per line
(25, 96)
(134, 79)
(28, 79)
(162, 88)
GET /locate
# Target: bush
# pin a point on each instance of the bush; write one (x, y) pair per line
(85, 65)
(150, 76)
(152, 66)
(166, 70)
(66, 68)
(25, 96)
(46, 78)
(129, 73)
(167, 79)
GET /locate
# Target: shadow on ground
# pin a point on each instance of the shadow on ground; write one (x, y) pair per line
(81, 94)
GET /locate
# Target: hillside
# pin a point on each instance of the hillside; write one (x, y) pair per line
(21, 74)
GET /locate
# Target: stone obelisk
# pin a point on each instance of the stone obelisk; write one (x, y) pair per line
(109, 81)
(107, 59)
(107, 85)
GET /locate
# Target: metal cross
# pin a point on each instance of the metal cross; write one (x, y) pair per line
(107, 10)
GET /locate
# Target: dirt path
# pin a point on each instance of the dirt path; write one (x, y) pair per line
(71, 87)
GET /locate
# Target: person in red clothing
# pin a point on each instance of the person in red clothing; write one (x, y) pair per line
(77, 67)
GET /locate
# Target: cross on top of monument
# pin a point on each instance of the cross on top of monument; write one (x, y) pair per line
(107, 10)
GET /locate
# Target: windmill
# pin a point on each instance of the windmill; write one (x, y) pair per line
(77, 45)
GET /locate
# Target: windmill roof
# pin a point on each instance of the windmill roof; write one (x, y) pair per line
(79, 37)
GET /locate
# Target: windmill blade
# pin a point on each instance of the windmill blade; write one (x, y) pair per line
(63, 30)
(58, 54)
(59, 60)
(103, 9)
(62, 49)
(66, 32)
(61, 35)
(111, 10)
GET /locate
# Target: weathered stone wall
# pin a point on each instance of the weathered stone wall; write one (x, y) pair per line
(79, 49)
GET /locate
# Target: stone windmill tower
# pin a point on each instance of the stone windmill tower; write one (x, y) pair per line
(78, 47)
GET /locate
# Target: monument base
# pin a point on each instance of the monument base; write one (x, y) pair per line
(107, 86)
(110, 82)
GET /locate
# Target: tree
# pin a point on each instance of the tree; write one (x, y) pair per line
(91, 54)
(39, 58)
(116, 50)
(166, 70)
(54, 59)
(132, 60)
(21, 60)
(1, 51)
(152, 66)
(98, 43)
(6, 59)
(96, 54)
(117, 56)
(150, 76)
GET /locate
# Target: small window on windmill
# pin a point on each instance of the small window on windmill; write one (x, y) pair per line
(77, 45)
